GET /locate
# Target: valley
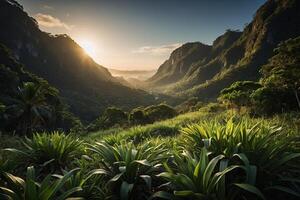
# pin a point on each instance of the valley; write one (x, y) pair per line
(218, 119)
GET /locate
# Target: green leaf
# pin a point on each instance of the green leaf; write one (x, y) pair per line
(14, 179)
(162, 195)
(125, 190)
(210, 168)
(143, 162)
(16, 151)
(147, 180)
(31, 190)
(69, 193)
(184, 193)
(116, 177)
(8, 194)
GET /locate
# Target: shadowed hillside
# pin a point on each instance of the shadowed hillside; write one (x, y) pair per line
(86, 86)
(233, 56)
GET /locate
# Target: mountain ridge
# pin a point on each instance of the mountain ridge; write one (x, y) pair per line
(240, 60)
(84, 85)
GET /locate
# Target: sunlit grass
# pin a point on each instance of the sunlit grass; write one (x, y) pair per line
(196, 155)
(138, 134)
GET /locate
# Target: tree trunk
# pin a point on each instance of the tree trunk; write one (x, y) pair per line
(297, 98)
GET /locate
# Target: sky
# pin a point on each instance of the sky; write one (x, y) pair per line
(139, 34)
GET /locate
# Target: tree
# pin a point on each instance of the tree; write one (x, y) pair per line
(238, 94)
(267, 100)
(137, 116)
(31, 107)
(112, 116)
(283, 69)
(159, 112)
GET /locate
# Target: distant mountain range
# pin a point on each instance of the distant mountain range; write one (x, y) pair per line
(87, 87)
(135, 74)
(201, 70)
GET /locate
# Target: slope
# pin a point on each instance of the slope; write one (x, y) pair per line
(238, 56)
(86, 86)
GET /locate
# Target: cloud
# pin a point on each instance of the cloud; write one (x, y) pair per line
(47, 7)
(50, 21)
(158, 50)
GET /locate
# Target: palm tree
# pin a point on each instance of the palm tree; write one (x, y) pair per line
(31, 107)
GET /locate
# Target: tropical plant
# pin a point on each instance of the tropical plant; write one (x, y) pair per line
(91, 182)
(18, 189)
(31, 107)
(193, 177)
(50, 151)
(261, 143)
(130, 169)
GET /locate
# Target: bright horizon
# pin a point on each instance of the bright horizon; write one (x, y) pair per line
(139, 35)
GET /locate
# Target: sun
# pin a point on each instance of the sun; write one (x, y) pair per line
(88, 47)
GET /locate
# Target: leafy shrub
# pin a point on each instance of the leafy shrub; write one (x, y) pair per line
(191, 177)
(261, 143)
(138, 116)
(111, 117)
(130, 170)
(212, 108)
(238, 94)
(159, 112)
(30, 188)
(268, 101)
(50, 151)
(190, 105)
(91, 183)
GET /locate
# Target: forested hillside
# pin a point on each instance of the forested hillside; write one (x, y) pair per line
(28, 103)
(87, 87)
(233, 56)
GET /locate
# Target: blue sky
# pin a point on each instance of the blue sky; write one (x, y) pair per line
(139, 34)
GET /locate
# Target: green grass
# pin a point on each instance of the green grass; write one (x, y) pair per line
(138, 134)
(198, 155)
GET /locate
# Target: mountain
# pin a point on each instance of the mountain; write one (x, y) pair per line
(15, 100)
(84, 85)
(233, 56)
(132, 74)
(180, 62)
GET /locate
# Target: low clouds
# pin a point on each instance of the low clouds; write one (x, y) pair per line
(50, 21)
(158, 50)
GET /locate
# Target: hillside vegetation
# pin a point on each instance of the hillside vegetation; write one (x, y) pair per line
(193, 156)
(87, 87)
(201, 70)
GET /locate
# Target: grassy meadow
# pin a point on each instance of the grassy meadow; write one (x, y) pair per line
(197, 155)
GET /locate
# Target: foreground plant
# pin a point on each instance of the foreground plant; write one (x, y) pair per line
(267, 147)
(52, 151)
(190, 177)
(91, 183)
(130, 170)
(19, 189)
